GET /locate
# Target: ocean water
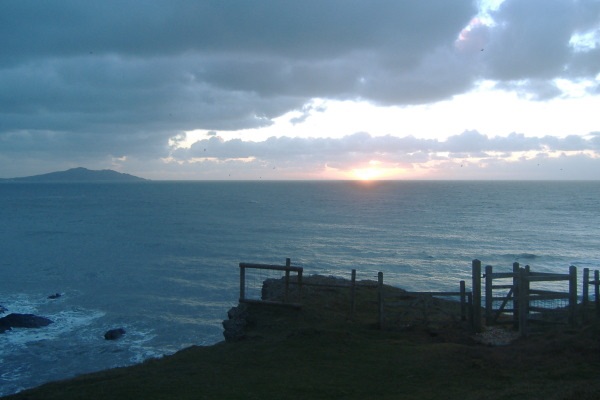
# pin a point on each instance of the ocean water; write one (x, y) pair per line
(160, 259)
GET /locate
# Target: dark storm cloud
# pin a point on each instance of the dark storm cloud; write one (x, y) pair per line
(115, 78)
(311, 28)
(103, 76)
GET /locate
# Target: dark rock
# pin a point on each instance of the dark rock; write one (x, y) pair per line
(272, 289)
(54, 296)
(235, 326)
(22, 321)
(114, 334)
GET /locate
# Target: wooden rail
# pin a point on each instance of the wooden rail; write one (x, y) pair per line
(287, 268)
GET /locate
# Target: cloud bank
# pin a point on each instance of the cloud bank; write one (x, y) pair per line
(470, 155)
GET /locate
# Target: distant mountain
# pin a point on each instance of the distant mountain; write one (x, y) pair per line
(79, 175)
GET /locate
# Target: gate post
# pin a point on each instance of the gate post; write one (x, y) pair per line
(476, 267)
(489, 303)
(597, 291)
(585, 295)
(572, 295)
(523, 299)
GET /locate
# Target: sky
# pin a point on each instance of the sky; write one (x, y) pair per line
(312, 89)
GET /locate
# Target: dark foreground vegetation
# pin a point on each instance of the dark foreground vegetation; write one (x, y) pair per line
(317, 352)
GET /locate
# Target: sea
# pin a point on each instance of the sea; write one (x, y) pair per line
(160, 258)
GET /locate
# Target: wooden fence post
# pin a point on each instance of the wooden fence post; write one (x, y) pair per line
(300, 286)
(488, 295)
(516, 295)
(463, 301)
(288, 263)
(585, 295)
(523, 299)
(572, 295)
(597, 291)
(353, 295)
(242, 282)
(380, 293)
(476, 277)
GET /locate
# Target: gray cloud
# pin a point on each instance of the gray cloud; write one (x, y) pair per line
(361, 147)
(308, 29)
(532, 39)
(97, 80)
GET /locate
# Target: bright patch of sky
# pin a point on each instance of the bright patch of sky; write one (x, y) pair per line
(492, 112)
(585, 41)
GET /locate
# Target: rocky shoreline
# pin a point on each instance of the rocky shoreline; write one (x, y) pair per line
(32, 321)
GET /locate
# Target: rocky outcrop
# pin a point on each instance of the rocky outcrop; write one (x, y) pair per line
(236, 326)
(22, 321)
(114, 334)
(252, 320)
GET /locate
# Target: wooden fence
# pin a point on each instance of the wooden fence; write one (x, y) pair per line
(287, 268)
(299, 282)
(387, 300)
(509, 297)
(519, 298)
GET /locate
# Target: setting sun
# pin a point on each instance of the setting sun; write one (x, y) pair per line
(377, 170)
(367, 173)
(371, 172)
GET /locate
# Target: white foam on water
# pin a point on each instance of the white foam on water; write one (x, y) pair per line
(20, 303)
(138, 343)
(22, 348)
(63, 322)
(135, 345)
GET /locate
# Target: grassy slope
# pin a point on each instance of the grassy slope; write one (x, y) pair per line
(316, 353)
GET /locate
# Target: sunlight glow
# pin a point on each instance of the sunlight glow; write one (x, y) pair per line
(366, 174)
(371, 172)
(377, 170)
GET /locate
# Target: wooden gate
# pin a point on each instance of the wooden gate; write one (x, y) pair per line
(513, 293)
(586, 289)
(503, 293)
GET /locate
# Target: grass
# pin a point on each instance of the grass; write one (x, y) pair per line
(318, 353)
